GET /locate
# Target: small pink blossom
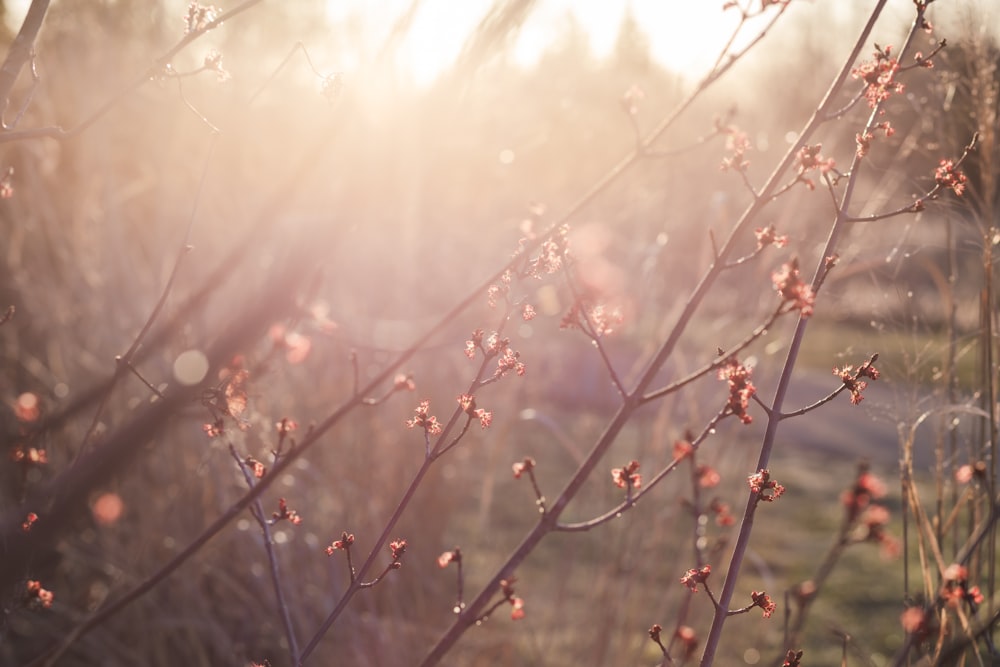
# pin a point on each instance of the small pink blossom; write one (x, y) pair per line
(948, 175)
(792, 289)
(708, 476)
(38, 595)
(769, 236)
(468, 405)
(741, 388)
(397, 548)
(453, 556)
(345, 542)
(632, 98)
(808, 159)
(284, 513)
(522, 467)
(764, 601)
(424, 420)
(693, 577)
(764, 487)
(879, 76)
(627, 477)
(405, 382)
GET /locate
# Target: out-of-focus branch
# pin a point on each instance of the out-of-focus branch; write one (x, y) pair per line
(57, 132)
(21, 50)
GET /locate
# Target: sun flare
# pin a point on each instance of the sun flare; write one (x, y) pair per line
(685, 37)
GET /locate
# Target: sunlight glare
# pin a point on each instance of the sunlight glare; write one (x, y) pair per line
(683, 36)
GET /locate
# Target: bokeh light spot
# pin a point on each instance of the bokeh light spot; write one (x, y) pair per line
(190, 367)
(26, 407)
(108, 508)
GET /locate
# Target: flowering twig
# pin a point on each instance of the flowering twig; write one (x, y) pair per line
(158, 65)
(397, 549)
(21, 52)
(851, 380)
(527, 466)
(594, 333)
(257, 510)
(718, 129)
(190, 105)
(455, 556)
(721, 358)
(947, 177)
(632, 497)
(297, 47)
(857, 500)
(633, 399)
(746, 527)
(344, 544)
(402, 382)
(126, 360)
(516, 603)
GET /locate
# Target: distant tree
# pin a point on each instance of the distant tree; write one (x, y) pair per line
(632, 45)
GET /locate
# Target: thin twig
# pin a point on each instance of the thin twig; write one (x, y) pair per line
(125, 360)
(57, 132)
(631, 499)
(257, 509)
(720, 360)
(746, 528)
(21, 51)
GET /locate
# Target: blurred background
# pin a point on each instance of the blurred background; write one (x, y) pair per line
(393, 152)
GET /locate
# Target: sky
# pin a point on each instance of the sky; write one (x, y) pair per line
(689, 41)
(685, 36)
